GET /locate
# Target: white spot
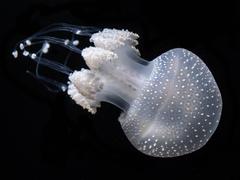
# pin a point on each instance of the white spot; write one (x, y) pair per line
(78, 32)
(64, 88)
(15, 53)
(45, 47)
(25, 53)
(66, 42)
(21, 46)
(75, 42)
(28, 42)
(33, 56)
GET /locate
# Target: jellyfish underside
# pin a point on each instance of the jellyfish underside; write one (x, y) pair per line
(170, 106)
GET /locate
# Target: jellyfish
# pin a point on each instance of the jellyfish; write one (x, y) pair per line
(171, 105)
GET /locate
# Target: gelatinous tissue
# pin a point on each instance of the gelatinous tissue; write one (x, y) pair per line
(171, 105)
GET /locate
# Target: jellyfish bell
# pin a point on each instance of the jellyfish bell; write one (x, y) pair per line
(170, 106)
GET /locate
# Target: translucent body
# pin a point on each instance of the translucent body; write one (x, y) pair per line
(177, 109)
(171, 105)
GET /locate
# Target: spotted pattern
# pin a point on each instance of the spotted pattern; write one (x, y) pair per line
(177, 110)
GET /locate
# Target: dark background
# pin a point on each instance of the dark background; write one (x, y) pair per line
(46, 136)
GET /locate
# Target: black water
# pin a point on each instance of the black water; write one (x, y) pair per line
(46, 136)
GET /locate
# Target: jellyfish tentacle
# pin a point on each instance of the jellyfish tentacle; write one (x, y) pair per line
(78, 30)
(44, 80)
(52, 65)
(45, 39)
(66, 43)
(70, 52)
(42, 36)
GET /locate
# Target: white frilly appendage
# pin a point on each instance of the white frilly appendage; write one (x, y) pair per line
(95, 57)
(83, 88)
(115, 68)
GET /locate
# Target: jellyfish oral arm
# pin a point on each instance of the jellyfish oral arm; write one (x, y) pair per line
(117, 65)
